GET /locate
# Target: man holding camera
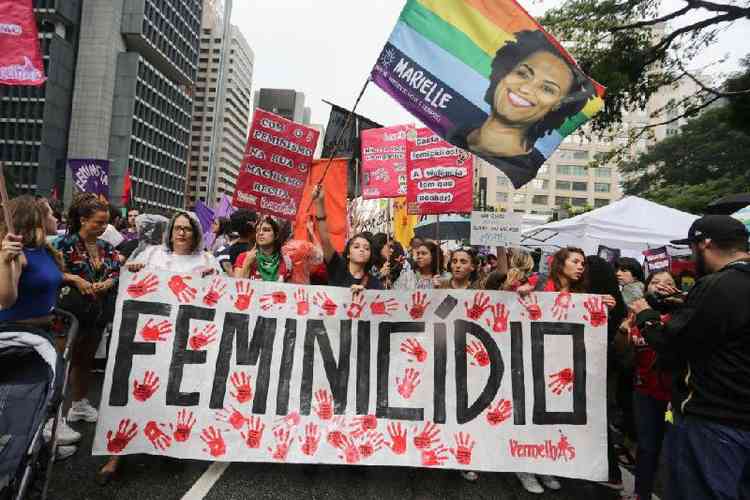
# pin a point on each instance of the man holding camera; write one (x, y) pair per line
(708, 447)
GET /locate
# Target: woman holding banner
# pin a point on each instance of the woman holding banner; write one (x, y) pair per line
(265, 261)
(352, 269)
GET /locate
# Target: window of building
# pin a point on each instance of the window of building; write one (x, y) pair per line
(540, 184)
(600, 202)
(601, 187)
(502, 180)
(576, 170)
(562, 200)
(578, 202)
(540, 199)
(519, 198)
(501, 197)
(603, 172)
(580, 186)
(565, 185)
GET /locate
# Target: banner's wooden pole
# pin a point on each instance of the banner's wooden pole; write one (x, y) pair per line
(5, 200)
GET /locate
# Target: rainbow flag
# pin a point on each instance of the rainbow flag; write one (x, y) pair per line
(485, 76)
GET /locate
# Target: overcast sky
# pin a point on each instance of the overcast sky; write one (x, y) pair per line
(326, 49)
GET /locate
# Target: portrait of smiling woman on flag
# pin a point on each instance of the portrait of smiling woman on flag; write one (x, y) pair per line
(533, 90)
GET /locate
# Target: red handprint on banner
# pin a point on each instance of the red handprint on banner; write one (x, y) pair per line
(412, 378)
(156, 332)
(362, 424)
(335, 434)
(354, 311)
(254, 436)
(270, 300)
(303, 302)
(499, 413)
(597, 311)
(563, 303)
(479, 353)
(158, 438)
(139, 288)
(561, 380)
(214, 440)
(464, 447)
(418, 305)
(244, 295)
(531, 304)
(324, 404)
(185, 422)
(181, 290)
(349, 448)
(215, 292)
(499, 321)
(289, 421)
(478, 307)
(126, 431)
(233, 416)
(370, 443)
(436, 456)
(324, 301)
(241, 383)
(201, 338)
(414, 349)
(428, 437)
(143, 391)
(383, 307)
(398, 438)
(284, 440)
(311, 440)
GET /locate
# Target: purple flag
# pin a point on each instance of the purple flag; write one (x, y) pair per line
(91, 176)
(225, 208)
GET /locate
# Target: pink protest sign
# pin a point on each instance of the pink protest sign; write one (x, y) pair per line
(384, 162)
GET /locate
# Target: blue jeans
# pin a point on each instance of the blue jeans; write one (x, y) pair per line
(650, 425)
(707, 460)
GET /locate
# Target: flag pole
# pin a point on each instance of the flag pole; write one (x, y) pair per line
(340, 136)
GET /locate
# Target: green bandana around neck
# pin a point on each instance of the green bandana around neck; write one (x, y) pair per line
(268, 265)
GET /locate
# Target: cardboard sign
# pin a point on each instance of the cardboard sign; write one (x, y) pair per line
(384, 162)
(496, 229)
(277, 161)
(439, 175)
(233, 370)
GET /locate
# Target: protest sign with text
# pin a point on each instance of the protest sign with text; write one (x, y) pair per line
(91, 176)
(657, 260)
(21, 60)
(277, 161)
(496, 229)
(439, 175)
(233, 370)
(384, 162)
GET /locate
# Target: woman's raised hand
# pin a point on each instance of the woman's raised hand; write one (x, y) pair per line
(11, 247)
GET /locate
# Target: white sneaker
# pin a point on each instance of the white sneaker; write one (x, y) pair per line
(550, 482)
(65, 434)
(82, 410)
(529, 483)
(64, 452)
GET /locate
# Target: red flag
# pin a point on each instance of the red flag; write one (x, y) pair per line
(20, 56)
(126, 186)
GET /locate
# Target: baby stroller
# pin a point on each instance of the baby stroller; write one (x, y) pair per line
(33, 381)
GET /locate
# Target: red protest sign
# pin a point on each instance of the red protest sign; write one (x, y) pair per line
(277, 162)
(384, 162)
(20, 57)
(439, 175)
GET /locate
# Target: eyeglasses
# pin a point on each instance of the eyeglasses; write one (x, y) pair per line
(183, 229)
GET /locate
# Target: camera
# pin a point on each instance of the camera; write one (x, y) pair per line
(660, 302)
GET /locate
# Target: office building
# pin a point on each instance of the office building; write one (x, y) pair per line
(137, 61)
(284, 102)
(34, 121)
(221, 107)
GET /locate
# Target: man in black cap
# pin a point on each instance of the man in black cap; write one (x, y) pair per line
(708, 447)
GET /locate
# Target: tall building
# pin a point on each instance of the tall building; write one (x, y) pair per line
(34, 121)
(284, 102)
(137, 61)
(221, 108)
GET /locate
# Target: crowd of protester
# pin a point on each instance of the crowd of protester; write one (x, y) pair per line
(686, 357)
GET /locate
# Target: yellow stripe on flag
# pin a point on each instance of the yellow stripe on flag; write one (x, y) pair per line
(593, 106)
(484, 33)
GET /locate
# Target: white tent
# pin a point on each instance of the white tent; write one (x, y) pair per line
(631, 224)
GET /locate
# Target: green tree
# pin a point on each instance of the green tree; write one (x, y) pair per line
(706, 160)
(629, 47)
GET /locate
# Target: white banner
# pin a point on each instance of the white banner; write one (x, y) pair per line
(234, 370)
(496, 229)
